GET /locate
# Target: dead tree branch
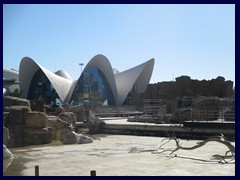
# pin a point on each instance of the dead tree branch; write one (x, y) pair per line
(220, 139)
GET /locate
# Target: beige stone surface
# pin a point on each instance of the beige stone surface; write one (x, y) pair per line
(35, 120)
(119, 155)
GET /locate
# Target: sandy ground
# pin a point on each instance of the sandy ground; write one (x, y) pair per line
(119, 155)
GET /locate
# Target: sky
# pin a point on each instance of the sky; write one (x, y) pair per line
(196, 40)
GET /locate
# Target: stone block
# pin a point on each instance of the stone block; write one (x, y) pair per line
(16, 114)
(15, 101)
(16, 133)
(38, 136)
(68, 117)
(35, 120)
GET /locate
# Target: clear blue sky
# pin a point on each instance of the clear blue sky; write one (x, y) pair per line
(194, 40)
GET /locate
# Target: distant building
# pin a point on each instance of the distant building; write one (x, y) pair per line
(98, 84)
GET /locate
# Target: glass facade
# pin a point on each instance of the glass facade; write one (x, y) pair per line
(41, 87)
(92, 89)
(129, 98)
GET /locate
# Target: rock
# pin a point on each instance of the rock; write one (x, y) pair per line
(16, 133)
(5, 118)
(35, 120)
(78, 110)
(76, 138)
(63, 134)
(6, 153)
(16, 114)
(94, 123)
(6, 136)
(38, 136)
(59, 127)
(57, 124)
(71, 138)
(58, 110)
(68, 117)
(85, 139)
(37, 105)
(15, 101)
(7, 158)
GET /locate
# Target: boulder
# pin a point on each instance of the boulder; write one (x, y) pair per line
(76, 138)
(6, 153)
(71, 138)
(59, 110)
(38, 136)
(84, 139)
(37, 105)
(16, 114)
(68, 117)
(35, 120)
(57, 124)
(63, 133)
(15, 101)
(78, 110)
(60, 128)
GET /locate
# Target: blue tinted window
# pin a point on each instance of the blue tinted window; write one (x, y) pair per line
(92, 89)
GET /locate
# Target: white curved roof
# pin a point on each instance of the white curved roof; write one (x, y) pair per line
(120, 83)
(28, 68)
(140, 75)
(102, 63)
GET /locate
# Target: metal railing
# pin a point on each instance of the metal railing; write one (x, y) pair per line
(222, 114)
(121, 111)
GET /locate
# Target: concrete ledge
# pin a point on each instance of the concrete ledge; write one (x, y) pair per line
(135, 128)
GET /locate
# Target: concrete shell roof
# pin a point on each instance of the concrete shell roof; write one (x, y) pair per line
(140, 75)
(102, 63)
(120, 83)
(29, 67)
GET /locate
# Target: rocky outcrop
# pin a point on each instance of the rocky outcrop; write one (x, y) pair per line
(35, 136)
(14, 101)
(94, 123)
(60, 128)
(16, 114)
(37, 105)
(22, 126)
(15, 124)
(36, 130)
(35, 120)
(68, 117)
(78, 110)
(185, 86)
